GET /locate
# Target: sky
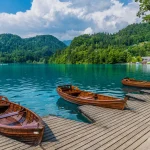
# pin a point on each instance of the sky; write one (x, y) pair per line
(66, 19)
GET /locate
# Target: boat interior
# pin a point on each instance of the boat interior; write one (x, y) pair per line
(76, 92)
(12, 114)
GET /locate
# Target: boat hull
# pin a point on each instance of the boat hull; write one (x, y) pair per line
(20, 123)
(29, 136)
(115, 104)
(136, 83)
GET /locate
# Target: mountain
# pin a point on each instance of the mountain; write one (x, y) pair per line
(42, 41)
(107, 48)
(16, 49)
(67, 42)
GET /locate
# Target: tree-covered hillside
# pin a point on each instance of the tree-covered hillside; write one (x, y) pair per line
(15, 49)
(133, 41)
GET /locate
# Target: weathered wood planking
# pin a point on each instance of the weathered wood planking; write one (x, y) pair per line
(145, 91)
(10, 144)
(113, 129)
(142, 97)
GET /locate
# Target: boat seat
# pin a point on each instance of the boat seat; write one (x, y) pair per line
(33, 124)
(86, 97)
(18, 117)
(9, 114)
(9, 122)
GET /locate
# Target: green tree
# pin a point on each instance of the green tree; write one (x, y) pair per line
(144, 8)
(138, 58)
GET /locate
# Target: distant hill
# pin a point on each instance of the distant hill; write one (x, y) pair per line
(67, 42)
(107, 48)
(16, 49)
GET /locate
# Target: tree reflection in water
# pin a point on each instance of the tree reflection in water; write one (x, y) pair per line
(71, 108)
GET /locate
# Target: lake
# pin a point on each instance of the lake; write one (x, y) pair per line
(34, 86)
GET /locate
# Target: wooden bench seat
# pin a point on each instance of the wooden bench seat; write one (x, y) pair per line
(9, 114)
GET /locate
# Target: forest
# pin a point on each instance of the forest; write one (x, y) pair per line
(14, 49)
(128, 45)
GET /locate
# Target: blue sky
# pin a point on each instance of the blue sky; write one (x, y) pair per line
(13, 6)
(125, 1)
(66, 19)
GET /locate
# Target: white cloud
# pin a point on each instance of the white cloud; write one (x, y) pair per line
(88, 31)
(69, 18)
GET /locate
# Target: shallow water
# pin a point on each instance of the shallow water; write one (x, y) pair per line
(34, 86)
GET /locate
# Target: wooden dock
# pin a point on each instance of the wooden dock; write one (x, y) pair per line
(145, 91)
(112, 130)
(141, 97)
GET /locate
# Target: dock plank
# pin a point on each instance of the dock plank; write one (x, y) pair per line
(145, 91)
(144, 143)
(137, 140)
(11, 144)
(139, 97)
(110, 135)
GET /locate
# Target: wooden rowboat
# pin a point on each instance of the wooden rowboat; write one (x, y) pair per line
(135, 83)
(20, 123)
(75, 95)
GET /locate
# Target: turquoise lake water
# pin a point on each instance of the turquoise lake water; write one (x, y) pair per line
(34, 86)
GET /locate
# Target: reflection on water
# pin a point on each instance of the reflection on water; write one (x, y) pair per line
(62, 104)
(34, 86)
(71, 109)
